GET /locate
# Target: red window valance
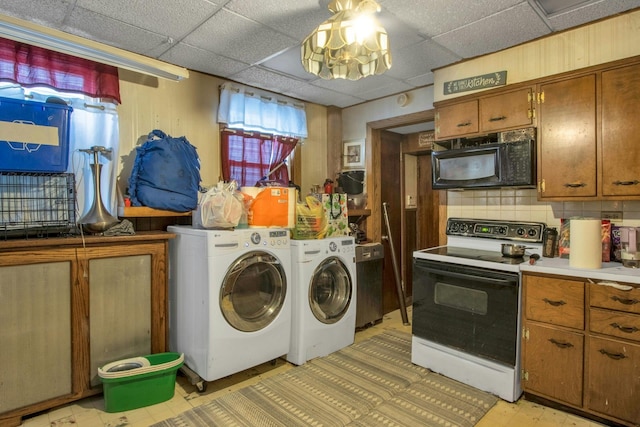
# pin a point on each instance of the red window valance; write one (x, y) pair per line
(35, 66)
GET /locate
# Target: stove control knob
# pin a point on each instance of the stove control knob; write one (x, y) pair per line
(454, 227)
(502, 231)
(520, 231)
(533, 232)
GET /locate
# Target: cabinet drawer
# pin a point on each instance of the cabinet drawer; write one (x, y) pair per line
(616, 299)
(614, 323)
(613, 379)
(556, 301)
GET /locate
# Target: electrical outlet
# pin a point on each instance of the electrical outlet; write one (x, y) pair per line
(612, 215)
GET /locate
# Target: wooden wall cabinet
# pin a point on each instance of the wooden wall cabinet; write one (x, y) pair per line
(581, 345)
(588, 137)
(68, 308)
(567, 138)
(508, 109)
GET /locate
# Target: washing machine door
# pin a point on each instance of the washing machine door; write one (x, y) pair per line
(253, 291)
(330, 291)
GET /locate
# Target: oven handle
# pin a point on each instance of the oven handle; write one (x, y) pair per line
(467, 276)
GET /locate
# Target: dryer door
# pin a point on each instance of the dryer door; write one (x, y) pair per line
(330, 291)
(253, 291)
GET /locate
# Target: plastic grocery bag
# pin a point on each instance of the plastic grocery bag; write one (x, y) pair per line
(311, 222)
(221, 206)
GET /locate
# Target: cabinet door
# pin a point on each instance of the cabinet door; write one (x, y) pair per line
(567, 138)
(613, 379)
(506, 111)
(621, 131)
(457, 120)
(553, 363)
(35, 336)
(120, 309)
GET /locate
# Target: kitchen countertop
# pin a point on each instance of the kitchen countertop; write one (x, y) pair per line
(612, 271)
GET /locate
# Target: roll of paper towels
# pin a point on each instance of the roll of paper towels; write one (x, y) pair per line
(585, 243)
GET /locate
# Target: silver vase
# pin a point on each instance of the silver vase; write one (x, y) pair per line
(97, 219)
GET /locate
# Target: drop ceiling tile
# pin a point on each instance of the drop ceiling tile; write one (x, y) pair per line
(296, 19)
(50, 13)
(418, 59)
(238, 38)
(91, 25)
(591, 12)
(393, 87)
(400, 34)
(506, 29)
(322, 96)
(262, 78)
(174, 19)
(433, 17)
(422, 80)
(289, 62)
(197, 59)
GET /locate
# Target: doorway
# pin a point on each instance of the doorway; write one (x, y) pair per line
(387, 185)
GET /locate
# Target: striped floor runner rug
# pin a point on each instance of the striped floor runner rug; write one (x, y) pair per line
(370, 383)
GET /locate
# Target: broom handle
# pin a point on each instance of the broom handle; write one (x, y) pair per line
(400, 291)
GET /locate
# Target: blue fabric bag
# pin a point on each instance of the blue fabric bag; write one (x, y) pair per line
(166, 174)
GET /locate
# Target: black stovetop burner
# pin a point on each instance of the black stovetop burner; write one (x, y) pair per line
(477, 254)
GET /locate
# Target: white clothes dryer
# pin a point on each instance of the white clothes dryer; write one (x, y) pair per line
(229, 298)
(324, 297)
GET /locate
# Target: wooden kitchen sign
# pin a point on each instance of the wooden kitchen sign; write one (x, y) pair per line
(499, 78)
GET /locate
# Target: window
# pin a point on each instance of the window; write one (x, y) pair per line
(250, 157)
(90, 88)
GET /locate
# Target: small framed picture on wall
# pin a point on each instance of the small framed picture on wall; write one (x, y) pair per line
(353, 156)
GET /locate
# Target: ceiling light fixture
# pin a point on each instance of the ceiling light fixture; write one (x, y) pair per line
(59, 41)
(350, 45)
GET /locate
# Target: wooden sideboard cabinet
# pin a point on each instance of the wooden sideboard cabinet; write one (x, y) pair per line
(581, 345)
(71, 305)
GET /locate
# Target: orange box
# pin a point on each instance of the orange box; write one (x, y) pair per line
(270, 208)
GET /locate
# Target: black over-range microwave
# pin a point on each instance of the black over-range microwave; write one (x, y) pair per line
(500, 164)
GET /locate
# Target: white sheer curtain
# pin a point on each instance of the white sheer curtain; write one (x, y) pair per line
(254, 110)
(92, 123)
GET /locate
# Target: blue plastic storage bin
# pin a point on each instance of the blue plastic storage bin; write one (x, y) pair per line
(28, 140)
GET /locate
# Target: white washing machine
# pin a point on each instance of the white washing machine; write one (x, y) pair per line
(324, 297)
(229, 298)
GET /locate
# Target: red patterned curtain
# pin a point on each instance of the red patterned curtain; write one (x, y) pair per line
(35, 66)
(248, 157)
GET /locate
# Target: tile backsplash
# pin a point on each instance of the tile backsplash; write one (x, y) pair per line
(523, 205)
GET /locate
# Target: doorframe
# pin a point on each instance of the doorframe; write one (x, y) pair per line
(374, 181)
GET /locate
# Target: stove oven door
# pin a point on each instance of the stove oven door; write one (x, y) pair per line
(473, 310)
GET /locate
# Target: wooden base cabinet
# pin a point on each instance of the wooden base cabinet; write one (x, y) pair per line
(581, 345)
(553, 338)
(67, 309)
(613, 358)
